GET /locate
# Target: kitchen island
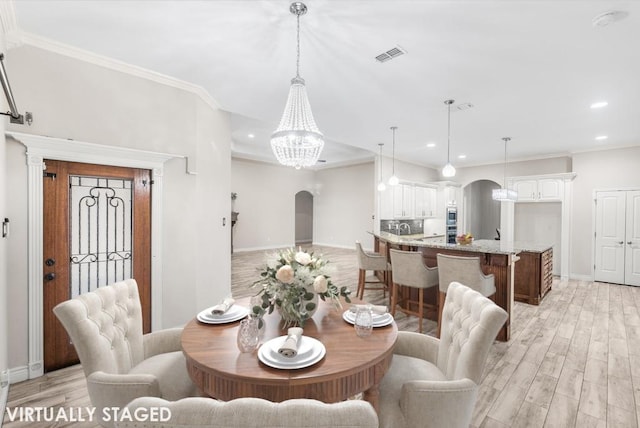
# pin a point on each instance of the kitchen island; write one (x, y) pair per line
(496, 258)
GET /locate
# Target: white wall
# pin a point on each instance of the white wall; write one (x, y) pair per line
(344, 206)
(4, 366)
(266, 203)
(610, 169)
(343, 203)
(542, 223)
(76, 99)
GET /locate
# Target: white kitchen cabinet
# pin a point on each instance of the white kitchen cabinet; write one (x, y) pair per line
(403, 201)
(535, 190)
(451, 195)
(425, 201)
(386, 203)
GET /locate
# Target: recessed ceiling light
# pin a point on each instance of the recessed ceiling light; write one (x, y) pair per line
(251, 136)
(464, 106)
(601, 137)
(431, 145)
(599, 104)
(462, 156)
(609, 17)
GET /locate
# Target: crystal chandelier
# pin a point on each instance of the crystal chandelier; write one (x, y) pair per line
(297, 142)
(505, 194)
(448, 170)
(381, 185)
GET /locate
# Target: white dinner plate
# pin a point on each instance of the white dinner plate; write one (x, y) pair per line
(312, 351)
(234, 313)
(378, 320)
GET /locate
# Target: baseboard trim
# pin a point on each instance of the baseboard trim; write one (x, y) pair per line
(18, 374)
(278, 247)
(4, 393)
(581, 277)
(267, 248)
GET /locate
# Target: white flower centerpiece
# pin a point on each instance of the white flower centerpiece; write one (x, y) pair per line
(292, 281)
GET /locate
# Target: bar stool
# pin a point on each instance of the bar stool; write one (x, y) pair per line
(371, 262)
(465, 270)
(408, 269)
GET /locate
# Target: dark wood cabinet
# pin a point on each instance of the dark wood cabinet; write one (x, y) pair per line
(533, 276)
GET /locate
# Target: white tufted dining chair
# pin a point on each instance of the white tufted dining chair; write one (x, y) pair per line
(433, 382)
(251, 412)
(121, 363)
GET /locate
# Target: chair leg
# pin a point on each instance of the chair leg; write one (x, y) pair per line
(361, 278)
(420, 309)
(441, 296)
(394, 298)
(384, 287)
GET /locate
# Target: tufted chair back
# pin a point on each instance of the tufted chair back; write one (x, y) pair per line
(105, 327)
(470, 323)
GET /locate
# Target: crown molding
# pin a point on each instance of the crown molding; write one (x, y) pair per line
(114, 64)
(9, 24)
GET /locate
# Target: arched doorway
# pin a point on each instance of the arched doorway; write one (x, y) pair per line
(304, 218)
(482, 213)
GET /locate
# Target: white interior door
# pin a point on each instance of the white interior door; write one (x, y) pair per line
(632, 239)
(610, 235)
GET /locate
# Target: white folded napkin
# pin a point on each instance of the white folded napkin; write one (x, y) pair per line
(289, 348)
(375, 309)
(223, 307)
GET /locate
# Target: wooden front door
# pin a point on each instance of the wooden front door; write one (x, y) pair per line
(96, 231)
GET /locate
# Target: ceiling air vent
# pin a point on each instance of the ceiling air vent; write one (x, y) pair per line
(390, 54)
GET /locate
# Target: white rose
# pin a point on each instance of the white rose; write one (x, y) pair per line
(285, 274)
(320, 284)
(303, 258)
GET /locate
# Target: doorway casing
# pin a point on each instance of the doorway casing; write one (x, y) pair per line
(40, 148)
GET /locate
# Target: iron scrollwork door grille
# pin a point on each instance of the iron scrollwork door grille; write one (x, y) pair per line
(100, 215)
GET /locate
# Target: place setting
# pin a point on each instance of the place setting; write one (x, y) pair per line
(224, 312)
(293, 351)
(366, 317)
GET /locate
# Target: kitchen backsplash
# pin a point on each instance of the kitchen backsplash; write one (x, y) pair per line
(402, 227)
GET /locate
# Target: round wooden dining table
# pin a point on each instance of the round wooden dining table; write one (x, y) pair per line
(352, 364)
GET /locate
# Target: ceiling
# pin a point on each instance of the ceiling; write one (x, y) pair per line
(531, 69)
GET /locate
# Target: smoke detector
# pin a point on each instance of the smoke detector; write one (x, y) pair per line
(609, 17)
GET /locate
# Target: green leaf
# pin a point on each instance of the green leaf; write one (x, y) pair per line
(347, 299)
(308, 295)
(311, 306)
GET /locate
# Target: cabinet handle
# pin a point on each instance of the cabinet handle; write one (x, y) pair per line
(538, 195)
(629, 242)
(621, 242)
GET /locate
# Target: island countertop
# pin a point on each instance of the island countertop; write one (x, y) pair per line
(478, 246)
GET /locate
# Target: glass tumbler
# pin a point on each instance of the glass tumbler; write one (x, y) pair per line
(364, 321)
(248, 335)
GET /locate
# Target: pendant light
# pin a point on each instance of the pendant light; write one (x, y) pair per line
(393, 180)
(381, 185)
(297, 142)
(448, 170)
(505, 194)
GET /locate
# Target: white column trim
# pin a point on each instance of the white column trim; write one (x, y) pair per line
(40, 148)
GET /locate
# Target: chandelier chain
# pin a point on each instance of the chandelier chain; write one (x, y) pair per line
(298, 47)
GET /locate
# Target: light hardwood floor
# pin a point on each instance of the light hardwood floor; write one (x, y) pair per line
(573, 361)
